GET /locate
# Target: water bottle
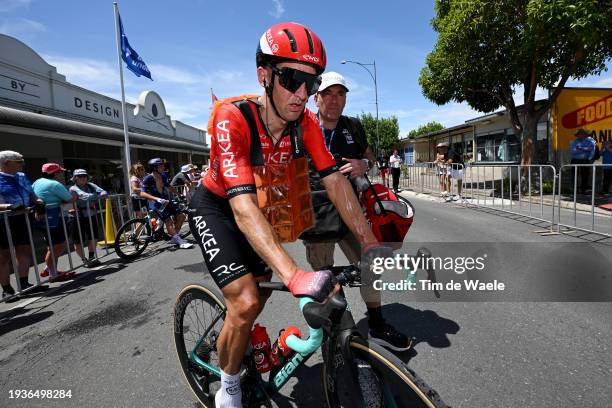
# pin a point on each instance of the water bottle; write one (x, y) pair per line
(261, 348)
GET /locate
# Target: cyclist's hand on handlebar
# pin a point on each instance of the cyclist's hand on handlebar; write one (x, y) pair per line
(317, 285)
(161, 201)
(372, 252)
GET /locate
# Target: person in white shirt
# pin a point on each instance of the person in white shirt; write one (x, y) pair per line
(395, 161)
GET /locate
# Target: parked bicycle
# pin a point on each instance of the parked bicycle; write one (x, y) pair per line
(355, 372)
(136, 234)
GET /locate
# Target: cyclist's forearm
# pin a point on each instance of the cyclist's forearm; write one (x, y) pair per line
(261, 236)
(342, 195)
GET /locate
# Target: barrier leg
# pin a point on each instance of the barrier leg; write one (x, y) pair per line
(34, 261)
(9, 236)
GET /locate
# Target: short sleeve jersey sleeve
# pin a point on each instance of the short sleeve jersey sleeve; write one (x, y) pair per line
(230, 170)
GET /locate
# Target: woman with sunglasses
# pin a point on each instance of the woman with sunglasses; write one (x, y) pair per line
(257, 152)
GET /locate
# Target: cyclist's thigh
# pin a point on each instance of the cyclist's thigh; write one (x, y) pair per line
(227, 253)
(320, 255)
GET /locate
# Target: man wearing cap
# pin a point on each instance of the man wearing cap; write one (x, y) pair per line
(16, 195)
(345, 138)
(582, 151)
(86, 229)
(182, 180)
(51, 189)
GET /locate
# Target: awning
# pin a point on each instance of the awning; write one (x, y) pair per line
(29, 120)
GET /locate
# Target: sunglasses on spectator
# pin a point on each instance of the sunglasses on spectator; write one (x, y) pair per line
(292, 79)
(16, 161)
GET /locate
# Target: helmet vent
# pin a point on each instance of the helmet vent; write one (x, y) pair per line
(291, 40)
(310, 44)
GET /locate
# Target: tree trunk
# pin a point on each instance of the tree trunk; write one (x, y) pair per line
(528, 143)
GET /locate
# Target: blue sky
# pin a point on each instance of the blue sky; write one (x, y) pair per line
(191, 46)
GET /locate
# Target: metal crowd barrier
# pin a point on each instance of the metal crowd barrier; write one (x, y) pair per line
(428, 177)
(586, 214)
(68, 218)
(514, 189)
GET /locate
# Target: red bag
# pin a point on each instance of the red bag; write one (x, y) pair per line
(389, 217)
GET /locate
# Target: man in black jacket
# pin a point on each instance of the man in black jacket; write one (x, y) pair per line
(345, 138)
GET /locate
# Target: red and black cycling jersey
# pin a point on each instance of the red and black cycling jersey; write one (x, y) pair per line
(230, 172)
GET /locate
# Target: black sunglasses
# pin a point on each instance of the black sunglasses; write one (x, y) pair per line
(292, 79)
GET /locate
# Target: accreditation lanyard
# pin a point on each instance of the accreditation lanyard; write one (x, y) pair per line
(331, 138)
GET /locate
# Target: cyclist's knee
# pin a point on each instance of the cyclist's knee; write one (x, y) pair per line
(245, 309)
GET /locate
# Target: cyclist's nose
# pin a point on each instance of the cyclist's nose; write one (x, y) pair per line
(301, 92)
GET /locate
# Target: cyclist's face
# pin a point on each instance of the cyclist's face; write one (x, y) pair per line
(331, 102)
(290, 105)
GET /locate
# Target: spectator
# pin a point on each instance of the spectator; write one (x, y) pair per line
(139, 205)
(395, 161)
(204, 170)
(455, 162)
(51, 190)
(16, 195)
(606, 155)
(182, 181)
(346, 139)
(383, 165)
(88, 194)
(441, 168)
(583, 150)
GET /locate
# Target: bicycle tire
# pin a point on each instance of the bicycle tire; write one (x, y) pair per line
(125, 237)
(383, 380)
(200, 381)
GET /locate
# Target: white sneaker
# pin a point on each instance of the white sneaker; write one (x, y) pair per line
(181, 242)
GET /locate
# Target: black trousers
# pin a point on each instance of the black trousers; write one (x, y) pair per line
(607, 177)
(583, 175)
(395, 173)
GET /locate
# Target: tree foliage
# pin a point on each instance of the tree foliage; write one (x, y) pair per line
(426, 128)
(388, 129)
(486, 49)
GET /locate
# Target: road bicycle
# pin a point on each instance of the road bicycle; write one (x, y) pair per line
(355, 372)
(136, 234)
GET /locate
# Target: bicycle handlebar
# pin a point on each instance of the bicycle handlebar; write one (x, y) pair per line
(314, 340)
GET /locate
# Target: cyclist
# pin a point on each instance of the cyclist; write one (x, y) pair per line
(234, 234)
(346, 139)
(156, 188)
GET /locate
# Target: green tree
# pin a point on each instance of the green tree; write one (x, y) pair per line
(388, 129)
(486, 49)
(426, 128)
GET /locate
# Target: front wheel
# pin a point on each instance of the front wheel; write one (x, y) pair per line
(199, 314)
(370, 376)
(132, 238)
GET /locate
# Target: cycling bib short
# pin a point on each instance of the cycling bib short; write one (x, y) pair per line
(227, 253)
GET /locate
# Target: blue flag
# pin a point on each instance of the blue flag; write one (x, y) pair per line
(131, 57)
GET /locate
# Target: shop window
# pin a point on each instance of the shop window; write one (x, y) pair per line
(499, 147)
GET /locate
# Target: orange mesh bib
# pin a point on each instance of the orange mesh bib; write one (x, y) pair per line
(283, 195)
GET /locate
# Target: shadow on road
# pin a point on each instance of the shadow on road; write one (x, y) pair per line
(19, 322)
(197, 267)
(424, 326)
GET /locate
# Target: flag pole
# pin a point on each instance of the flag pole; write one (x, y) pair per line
(128, 162)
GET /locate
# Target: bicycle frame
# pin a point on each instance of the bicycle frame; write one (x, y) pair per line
(342, 330)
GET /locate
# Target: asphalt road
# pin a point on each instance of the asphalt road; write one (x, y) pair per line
(107, 336)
